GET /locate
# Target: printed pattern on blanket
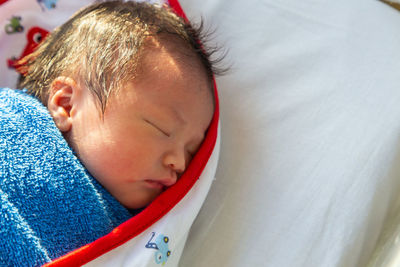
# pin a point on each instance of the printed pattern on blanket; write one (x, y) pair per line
(49, 204)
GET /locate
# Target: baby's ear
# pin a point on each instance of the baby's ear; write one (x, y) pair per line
(62, 94)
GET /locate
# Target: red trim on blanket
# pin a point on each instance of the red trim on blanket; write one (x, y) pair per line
(176, 6)
(159, 207)
(3, 1)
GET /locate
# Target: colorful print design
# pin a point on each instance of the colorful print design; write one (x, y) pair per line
(14, 25)
(47, 4)
(161, 245)
(34, 36)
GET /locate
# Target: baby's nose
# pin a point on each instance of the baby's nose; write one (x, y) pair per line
(178, 168)
(176, 162)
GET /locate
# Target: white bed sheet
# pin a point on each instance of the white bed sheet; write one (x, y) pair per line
(309, 165)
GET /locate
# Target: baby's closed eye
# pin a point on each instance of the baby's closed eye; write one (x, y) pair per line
(154, 125)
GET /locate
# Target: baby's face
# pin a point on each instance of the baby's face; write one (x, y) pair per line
(150, 131)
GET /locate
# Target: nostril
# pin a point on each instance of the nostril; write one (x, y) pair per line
(177, 169)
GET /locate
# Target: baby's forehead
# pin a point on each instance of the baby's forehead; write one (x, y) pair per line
(169, 69)
(174, 50)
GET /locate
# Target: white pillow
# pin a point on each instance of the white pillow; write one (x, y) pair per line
(310, 122)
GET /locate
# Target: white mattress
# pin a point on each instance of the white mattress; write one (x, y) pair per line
(309, 167)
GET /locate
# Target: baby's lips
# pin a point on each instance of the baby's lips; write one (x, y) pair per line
(161, 183)
(167, 181)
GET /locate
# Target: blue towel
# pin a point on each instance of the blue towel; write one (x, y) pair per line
(49, 204)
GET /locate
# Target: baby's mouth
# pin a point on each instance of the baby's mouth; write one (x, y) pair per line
(154, 184)
(160, 183)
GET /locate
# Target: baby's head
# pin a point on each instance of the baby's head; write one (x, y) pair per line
(131, 90)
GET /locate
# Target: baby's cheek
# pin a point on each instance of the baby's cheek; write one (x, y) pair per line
(137, 155)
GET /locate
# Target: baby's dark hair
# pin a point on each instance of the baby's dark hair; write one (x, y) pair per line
(102, 45)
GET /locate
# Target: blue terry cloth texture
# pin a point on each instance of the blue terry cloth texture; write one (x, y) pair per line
(49, 203)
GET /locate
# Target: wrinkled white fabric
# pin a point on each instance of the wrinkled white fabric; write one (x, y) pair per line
(310, 121)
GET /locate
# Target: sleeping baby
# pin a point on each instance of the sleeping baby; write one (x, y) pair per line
(126, 98)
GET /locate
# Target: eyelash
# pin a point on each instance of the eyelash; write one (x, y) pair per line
(158, 128)
(191, 154)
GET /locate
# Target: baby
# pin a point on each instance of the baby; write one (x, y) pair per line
(130, 89)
